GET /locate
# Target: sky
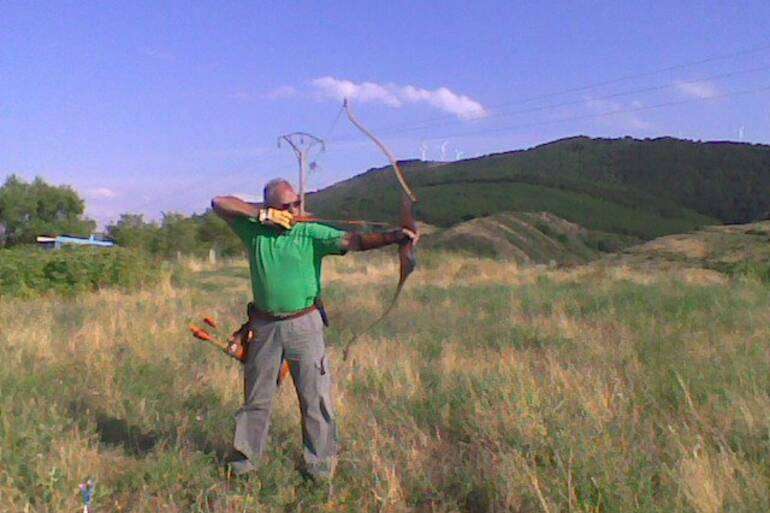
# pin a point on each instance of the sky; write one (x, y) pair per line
(152, 107)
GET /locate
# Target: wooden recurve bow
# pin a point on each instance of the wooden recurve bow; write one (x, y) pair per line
(406, 255)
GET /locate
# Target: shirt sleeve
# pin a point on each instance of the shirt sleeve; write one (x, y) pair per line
(326, 240)
(245, 228)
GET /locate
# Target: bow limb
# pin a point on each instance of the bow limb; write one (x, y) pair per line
(385, 150)
(406, 255)
(407, 263)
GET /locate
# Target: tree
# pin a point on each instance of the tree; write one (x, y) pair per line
(132, 231)
(31, 209)
(193, 235)
(177, 234)
(214, 232)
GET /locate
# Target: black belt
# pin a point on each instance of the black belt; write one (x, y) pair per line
(254, 313)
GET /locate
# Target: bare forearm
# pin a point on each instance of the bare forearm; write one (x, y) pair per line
(230, 207)
(366, 241)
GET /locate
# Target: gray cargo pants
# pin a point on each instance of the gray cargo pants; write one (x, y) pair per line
(300, 341)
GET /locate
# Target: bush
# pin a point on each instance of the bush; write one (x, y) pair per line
(27, 270)
(757, 270)
(604, 242)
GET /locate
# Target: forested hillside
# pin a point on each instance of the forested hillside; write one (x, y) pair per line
(642, 188)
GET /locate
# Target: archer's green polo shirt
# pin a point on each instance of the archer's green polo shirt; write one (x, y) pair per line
(286, 264)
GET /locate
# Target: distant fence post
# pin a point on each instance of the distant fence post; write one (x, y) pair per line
(212, 256)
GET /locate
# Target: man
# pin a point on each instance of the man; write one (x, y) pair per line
(285, 263)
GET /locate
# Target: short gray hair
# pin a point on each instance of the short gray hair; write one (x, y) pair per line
(270, 187)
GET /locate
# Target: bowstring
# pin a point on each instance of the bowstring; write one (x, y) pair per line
(334, 123)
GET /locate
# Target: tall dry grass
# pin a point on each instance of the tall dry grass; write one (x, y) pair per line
(491, 388)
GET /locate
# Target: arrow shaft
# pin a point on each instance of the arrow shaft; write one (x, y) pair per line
(313, 219)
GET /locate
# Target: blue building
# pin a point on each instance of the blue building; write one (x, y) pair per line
(62, 240)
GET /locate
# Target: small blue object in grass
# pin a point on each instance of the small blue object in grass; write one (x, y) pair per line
(87, 491)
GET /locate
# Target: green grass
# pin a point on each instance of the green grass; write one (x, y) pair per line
(492, 390)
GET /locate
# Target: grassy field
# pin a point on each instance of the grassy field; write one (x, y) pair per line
(602, 388)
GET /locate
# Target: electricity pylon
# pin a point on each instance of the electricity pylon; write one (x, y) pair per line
(302, 143)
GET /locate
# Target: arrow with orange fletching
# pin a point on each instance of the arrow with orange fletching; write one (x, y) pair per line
(232, 349)
(235, 350)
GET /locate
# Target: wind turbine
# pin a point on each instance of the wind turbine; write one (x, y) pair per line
(443, 150)
(424, 150)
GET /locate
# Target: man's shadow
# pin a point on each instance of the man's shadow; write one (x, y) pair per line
(117, 432)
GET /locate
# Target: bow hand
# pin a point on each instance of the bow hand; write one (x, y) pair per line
(275, 217)
(409, 237)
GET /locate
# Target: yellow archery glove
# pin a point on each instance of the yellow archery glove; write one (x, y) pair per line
(272, 216)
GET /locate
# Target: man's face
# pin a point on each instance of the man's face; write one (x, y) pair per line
(285, 198)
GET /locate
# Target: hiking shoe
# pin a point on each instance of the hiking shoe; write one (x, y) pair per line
(237, 464)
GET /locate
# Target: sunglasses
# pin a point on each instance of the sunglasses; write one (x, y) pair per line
(295, 204)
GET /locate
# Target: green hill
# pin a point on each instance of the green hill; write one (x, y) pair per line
(732, 249)
(638, 188)
(527, 238)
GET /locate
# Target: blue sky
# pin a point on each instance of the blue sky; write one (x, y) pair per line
(157, 106)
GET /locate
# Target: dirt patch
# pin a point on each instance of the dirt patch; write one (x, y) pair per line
(702, 277)
(685, 246)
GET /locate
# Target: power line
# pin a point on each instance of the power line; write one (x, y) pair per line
(334, 123)
(593, 85)
(574, 102)
(541, 108)
(605, 114)
(739, 53)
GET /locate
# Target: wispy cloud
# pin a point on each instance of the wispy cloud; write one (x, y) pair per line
(281, 93)
(702, 89)
(100, 193)
(157, 53)
(618, 114)
(394, 95)
(241, 96)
